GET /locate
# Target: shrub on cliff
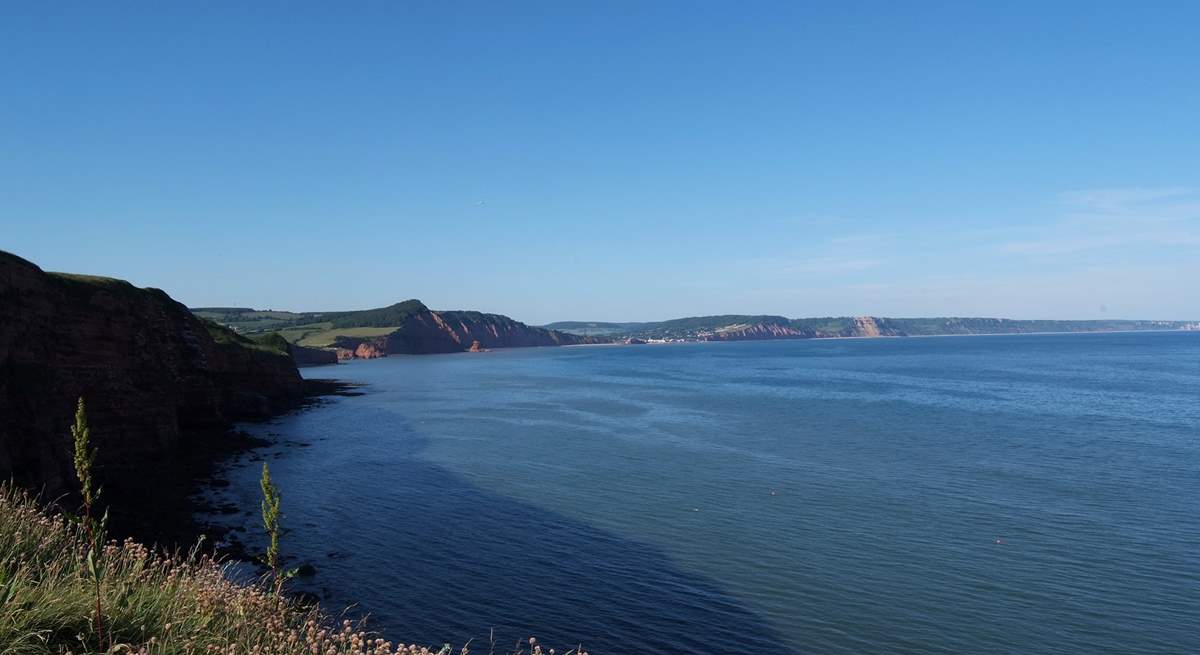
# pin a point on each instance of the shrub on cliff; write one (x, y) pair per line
(390, 316)
(274, 341)
(226, 338)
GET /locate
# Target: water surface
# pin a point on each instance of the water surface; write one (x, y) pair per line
(1033, 494)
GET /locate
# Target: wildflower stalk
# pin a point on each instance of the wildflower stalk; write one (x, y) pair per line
(270, 518)
(85, 457)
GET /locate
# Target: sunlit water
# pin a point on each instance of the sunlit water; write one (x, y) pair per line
(1023, 494)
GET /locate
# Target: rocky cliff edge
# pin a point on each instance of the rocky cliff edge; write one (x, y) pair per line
(154, 376)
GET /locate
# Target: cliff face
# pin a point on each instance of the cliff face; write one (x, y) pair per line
(866, 326)
(305, 356)
(760, 331)
(153, 374)
(428, 331)
(858, 326)
(496, 331)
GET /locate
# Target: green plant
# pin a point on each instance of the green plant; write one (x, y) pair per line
(85, 458)
(270, 518)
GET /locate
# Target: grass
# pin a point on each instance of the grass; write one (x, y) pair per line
(154, 603)
(93, 280)
(274, 341)
(85, 286)
(65, 589)
(227, 338)
(249, 321)
(296, 333)
(326, 337)
(296, 325)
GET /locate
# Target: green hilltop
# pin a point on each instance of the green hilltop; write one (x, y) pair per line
(314, 329)
(410, 317)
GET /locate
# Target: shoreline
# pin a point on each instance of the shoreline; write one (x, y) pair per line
(164, 507)
(679, 342)
(882, 336)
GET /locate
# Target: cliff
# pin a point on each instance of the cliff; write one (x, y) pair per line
(154, 376)
(422, 330)
(758, 331)
(781, 328)
(405, 327)
(304, 356)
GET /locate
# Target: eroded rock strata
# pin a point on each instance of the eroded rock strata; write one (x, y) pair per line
(153, 375)
(427, 331)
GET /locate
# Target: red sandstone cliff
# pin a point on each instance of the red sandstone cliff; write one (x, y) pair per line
(152, 373)
(428, 331)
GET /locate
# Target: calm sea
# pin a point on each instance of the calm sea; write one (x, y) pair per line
(1009, 494)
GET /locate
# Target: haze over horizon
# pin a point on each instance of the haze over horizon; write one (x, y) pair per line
(614, 162)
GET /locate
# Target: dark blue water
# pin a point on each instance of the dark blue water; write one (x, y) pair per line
(1023, 494)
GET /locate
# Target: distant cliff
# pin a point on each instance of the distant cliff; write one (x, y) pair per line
(426, 331)
(407, 327)
(756, 331)
(777, 327)
(153, 374)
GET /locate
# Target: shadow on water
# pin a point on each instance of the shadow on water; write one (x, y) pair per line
(433, 558)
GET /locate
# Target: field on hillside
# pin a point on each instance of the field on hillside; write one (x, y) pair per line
(317, 337)
(250, 321)
(313, 329)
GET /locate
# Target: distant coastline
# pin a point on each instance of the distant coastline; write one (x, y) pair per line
(896, 336)
(737, 327)
(165, 381)
(412, 328)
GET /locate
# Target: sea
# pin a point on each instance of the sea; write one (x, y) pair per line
(983, 494)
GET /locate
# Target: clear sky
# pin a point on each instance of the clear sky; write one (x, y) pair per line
(613, 160)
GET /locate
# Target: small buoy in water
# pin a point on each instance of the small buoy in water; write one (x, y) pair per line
(999, 540)
(773, 492)
(695, 509)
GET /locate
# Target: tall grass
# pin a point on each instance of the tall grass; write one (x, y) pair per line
(270, 518)
(85, 457)
(154, 603)
(65, 590)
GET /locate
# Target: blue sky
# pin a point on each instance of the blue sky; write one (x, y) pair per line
(613, 160)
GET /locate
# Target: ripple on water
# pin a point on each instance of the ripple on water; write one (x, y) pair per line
(1006, 494)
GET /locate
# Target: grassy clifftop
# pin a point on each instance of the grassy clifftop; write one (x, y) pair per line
(315, 329)
(270, 343)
